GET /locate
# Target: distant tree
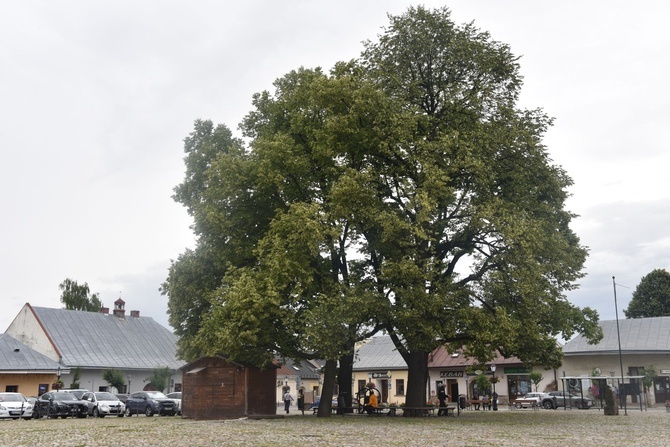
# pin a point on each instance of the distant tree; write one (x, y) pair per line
(76, 376)
(160, 377)
(79, 297)
(651, 298)
(535, 378)
(114, 377)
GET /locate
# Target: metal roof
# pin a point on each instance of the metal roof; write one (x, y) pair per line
(98, 340)
(378, 353)
(20, 358)
(638, 336)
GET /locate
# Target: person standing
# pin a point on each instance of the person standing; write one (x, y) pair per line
(287, 400)
(442, 396)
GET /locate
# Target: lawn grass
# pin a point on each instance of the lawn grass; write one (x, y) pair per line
(473, 428)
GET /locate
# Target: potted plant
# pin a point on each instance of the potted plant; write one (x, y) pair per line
(57, 385)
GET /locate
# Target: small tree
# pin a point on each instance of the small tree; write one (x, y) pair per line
(114, 377)
(535, 378)
(482, 383)
(76, 376)
(160, 377)
(648, 379)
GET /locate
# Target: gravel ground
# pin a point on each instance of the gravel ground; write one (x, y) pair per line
(473, 428)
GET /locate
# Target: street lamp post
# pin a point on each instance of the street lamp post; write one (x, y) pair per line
(129, 377)
(495, 395)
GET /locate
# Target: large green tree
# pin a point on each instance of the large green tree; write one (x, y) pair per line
(403, 191)
(651, 297)
(469, 236)
(79, 297)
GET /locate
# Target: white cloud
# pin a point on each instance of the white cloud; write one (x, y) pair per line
(96, 98)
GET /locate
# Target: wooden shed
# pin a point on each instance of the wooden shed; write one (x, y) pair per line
(216, 388)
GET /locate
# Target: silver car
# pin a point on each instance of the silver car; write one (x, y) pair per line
(101, 404)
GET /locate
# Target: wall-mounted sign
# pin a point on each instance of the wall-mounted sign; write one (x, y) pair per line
(381, 376)
(665, 371)
(451, 373)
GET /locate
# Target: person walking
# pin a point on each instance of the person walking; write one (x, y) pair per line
(287, 400)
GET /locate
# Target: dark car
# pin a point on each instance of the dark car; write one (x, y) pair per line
(63, 405)
(150, 403)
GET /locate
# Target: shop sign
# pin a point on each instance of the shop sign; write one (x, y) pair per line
(381, 376)
(513, 370)
(665, 371)
(451, 373)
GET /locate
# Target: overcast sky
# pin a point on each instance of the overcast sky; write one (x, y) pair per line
(96, 98)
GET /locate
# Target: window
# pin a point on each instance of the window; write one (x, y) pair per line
(399, 387)
(12, 389)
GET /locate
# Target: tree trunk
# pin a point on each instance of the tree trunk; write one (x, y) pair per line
(344, 378)
(327, 391)
(417, 377)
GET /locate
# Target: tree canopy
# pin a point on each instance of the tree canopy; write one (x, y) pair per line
(651, 297)
(79, 297)
(403, 191)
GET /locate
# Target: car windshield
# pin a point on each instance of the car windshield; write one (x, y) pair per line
(105, 396)
(64, 396)
(156, 395)
(12, 397)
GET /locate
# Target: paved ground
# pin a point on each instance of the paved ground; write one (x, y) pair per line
(545, 428)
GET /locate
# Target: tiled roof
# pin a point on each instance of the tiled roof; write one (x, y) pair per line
(302, 369)
(638, 335)
(440, 358)
(378, 353)
(97, 340)
(15, 356)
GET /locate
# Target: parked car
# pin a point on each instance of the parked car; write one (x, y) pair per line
(150, 403)
(63, 405)
(15, 405)
(102, 403)
(33, 401)
(177, 398)
(78, 392)
(530, 400)
(562, 399)
(543, 399)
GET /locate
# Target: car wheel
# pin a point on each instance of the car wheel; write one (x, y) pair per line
(63, 417)
(95, 412)
(518, 405)
(148, 411)
(128, 412)
(579, 405)
(547, 404)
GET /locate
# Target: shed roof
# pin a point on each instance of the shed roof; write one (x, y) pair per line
(18, 357)
(638, 336)
(97, 340)
(378, 353)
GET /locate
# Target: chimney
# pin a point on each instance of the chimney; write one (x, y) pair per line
(104, 310)
(120, 308)
(135, 313)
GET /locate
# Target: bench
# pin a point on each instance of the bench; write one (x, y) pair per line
(518, 404)
(429, 411)
(485, 404)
